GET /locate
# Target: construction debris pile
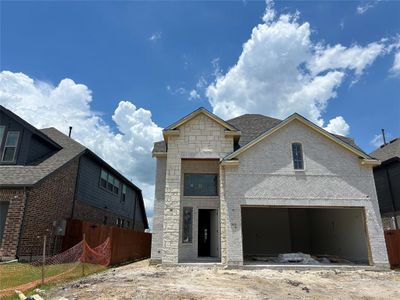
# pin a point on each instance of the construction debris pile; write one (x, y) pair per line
(301, 258)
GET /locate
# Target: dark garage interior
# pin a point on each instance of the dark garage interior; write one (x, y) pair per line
(329, 235)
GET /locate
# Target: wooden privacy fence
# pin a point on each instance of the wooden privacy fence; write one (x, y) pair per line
(126, 244)
(392, 238)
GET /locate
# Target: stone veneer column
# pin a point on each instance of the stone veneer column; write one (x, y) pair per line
(172, 205)
(223, 214)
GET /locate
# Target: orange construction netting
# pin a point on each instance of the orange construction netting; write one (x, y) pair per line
(78, 261)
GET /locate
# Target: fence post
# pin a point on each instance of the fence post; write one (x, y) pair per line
(83, 255)
(44, 257)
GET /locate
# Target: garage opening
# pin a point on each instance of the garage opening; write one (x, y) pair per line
(304, 235)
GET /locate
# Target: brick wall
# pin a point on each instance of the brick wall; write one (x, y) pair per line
(16, 200)
(51, 200)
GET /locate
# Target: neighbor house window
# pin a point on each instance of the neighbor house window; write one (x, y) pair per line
(200, 185)
(10, 146)
(2, 129)
(123, 193)
(116, 186)
(297, 153)
(103, 179)
(109, 182)
(187, 225)
(105, 220)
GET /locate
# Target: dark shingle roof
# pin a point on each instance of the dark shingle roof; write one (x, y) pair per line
(159, 147)
(388, 151)
(29, 175)
(253, 125)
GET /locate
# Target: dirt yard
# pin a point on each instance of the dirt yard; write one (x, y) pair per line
(141, 281)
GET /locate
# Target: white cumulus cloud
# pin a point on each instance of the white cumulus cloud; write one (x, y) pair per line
(127, 148)
(395, 70)
(281, 70)
(155, 37)
(193, 95)
(365, 5)
(338, 125)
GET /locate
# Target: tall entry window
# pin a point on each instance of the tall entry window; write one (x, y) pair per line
(297, 152)
(200, 185)
(187, 225)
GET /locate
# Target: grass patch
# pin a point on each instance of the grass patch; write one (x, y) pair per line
(17, 274)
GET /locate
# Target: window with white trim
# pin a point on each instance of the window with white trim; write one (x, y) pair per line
(10, 146)
(297, 153)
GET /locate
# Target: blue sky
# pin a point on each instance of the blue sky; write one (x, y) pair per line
(154, 54)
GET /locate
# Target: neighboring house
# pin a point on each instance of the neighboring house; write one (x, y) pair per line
(253, 186)
(387, 181)
(46, 178)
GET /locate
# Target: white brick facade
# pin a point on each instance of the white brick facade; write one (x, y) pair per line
(333, 177)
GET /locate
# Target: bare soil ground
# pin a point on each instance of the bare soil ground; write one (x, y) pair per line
(141, 281)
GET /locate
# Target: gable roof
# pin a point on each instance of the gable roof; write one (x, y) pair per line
(252, 126)
(17, 175)
(25, 124)
(342, 142)
(388, 151)
(197, 112)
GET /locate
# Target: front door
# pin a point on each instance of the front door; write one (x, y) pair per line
(204, 232)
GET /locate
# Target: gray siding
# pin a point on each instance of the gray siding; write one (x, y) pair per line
(30, 147)
(90, 192)
(383, 175)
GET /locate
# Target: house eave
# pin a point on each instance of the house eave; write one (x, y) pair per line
(159, 154)
(370, 162)
(230, 163)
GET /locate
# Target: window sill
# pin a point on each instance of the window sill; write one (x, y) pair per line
(108, 191)
(201, 197)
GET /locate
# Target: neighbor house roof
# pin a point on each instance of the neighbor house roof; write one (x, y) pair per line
(33, 129)
(252, 126)
(388, 151)
(18, 175)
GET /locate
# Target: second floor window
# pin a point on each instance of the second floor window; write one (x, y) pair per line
(123, 199)
(2, 129)
(200, 185)
(109, 182)
(10, 146)
(297, 153)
